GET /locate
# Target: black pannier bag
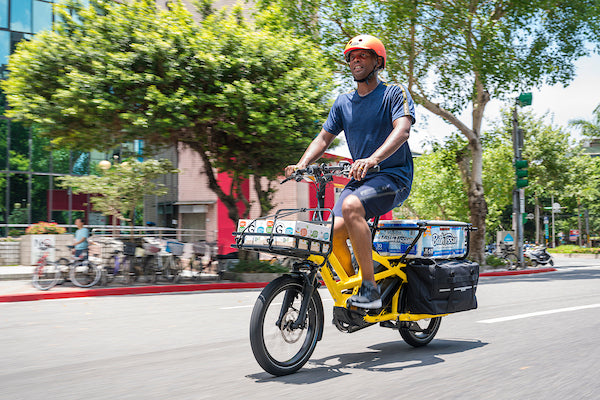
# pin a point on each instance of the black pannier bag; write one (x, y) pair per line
(441, 286)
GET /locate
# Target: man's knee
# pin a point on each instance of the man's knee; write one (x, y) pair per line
(352, 207)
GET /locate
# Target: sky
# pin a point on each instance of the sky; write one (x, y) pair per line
(577, 100)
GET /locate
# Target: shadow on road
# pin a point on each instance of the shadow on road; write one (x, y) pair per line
(384, 357)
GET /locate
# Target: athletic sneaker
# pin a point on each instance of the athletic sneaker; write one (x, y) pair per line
(368, 296)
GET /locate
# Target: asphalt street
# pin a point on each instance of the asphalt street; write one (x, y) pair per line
(532, 337)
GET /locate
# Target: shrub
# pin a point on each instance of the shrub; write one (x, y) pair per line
(494, 261)
(45, 228)
(570, 248)
(258, 266)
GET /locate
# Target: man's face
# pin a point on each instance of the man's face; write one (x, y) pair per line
(79, 223)
(361, 63)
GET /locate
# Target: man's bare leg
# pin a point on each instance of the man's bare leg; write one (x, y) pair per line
(360, 235)
(340, 246)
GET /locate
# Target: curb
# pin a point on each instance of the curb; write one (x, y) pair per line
(517, 272)
(124, 291)
(129, 291)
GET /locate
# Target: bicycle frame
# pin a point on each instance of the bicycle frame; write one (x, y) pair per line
(329, 266)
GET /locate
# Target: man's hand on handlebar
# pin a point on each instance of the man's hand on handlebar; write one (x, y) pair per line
(290, 169)
(361, 167)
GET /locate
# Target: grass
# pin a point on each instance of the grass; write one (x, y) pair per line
(573, 249)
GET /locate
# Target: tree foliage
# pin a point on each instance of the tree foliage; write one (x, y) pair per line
(590, 129)
(246, 99)
(459, 54)
(122, 187)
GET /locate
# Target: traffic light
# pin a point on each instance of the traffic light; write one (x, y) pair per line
(525, 99)
(521, 173)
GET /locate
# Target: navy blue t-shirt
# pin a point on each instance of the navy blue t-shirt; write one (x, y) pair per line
(367, 122)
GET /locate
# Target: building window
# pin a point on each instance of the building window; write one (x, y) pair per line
(4, 47)
(3, 13)
(20, 15)
(42, 16)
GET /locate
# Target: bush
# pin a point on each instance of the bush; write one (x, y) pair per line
(254, 266)
(571, 248)
(494, 261)
(45, 228)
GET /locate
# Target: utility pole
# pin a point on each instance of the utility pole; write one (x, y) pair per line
(521, 174)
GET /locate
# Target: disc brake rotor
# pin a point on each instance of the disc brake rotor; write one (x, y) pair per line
(289, 334)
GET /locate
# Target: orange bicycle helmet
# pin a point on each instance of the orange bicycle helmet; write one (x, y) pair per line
(366, 42)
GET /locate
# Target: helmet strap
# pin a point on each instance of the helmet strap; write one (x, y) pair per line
(368, 77)
(371, 74)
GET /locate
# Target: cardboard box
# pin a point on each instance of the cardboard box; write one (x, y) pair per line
(441, 239)
(263, 226)
(284, 227)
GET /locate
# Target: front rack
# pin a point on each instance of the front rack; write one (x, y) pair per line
(276, 235)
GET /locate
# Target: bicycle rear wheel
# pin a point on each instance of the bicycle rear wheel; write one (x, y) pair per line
(420, 333)
(85, 274)
(46, 276)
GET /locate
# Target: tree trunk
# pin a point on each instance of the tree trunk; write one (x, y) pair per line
(229, 200)
(474, 178)
(477, 203)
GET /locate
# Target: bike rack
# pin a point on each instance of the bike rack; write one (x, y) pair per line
(324, 245)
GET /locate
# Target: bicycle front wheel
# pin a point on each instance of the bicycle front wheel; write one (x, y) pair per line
(279, 348)
(85, 274)
(46, 276)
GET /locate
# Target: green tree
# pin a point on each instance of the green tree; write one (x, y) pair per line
(121, 188)
(590, 129)
(248, 100)
(438, 191)
(460, 54)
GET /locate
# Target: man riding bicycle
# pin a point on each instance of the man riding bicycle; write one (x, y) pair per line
(376, 120)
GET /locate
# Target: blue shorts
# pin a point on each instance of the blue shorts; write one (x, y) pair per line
(378, 194)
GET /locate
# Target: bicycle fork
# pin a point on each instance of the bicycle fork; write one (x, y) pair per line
(310, 284)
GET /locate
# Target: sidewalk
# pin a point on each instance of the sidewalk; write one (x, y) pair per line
(15, 285)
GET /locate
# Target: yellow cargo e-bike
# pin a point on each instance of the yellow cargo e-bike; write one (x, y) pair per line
(416, 290)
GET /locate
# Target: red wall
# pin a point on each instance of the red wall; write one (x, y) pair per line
(226, 226)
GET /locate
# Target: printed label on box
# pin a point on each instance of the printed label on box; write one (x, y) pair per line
(437, 241)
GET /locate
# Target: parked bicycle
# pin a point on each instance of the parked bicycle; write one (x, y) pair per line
(46, 273)
(161, 260)
(118, 261)
(287, 319)
(82, 271)
(79, 270)
(203, 261)
(507, 253)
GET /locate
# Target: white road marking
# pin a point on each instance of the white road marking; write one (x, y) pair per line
(535, 314)
(252, 305)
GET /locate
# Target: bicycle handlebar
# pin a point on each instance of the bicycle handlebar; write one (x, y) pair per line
(325, 172)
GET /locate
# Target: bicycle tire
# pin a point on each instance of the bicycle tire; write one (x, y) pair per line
(171, 268)
(511, 261)
(128, 270)
(46, 276)
(420, 333)
(85, 274)
(281, 350)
